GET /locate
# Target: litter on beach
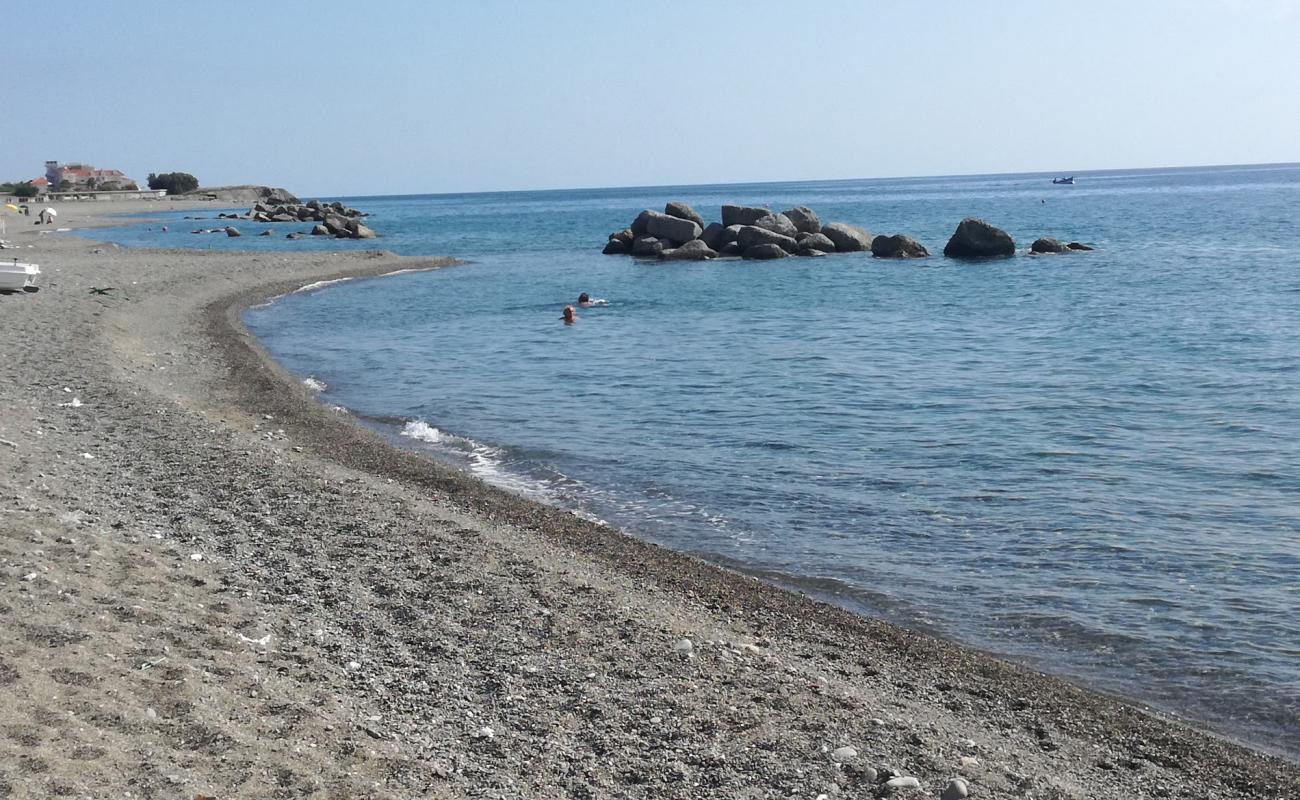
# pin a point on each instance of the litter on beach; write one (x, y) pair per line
(17, 276)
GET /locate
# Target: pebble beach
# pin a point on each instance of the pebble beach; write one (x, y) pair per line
(213, 585)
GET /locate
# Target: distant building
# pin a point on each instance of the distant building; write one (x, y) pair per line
(78, 177)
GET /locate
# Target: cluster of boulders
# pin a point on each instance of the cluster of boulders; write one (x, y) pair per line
(678, 233)
(332, 219)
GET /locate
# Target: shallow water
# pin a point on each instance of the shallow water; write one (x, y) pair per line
(1090, 462)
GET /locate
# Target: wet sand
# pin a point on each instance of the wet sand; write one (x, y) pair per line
(212, 584)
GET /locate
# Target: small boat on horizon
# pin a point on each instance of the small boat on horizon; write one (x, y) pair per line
(1066, 181)
(16, 276)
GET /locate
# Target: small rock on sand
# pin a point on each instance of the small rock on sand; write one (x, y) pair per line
(843, 755)
(895, 784)
(684, 648)
(956, 790)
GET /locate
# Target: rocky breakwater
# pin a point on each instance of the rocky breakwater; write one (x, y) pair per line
(678, 233)
(332, 219)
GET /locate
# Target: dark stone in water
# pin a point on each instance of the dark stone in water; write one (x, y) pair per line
(975, 238)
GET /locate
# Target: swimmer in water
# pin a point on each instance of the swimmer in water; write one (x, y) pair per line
(569, 315)
(585, 301)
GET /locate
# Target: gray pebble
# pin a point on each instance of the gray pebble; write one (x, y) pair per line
(956, 790)
(844, 754)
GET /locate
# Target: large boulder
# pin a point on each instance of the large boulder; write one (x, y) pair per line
(804, 219)
(777, 223)
(1078, 246)
(232, 231)
(662, 226)
(751, 236)
(1047, 244)
(715, 235)
(319, 230)
(625, 236)
(614, 247)
(363, 232)
(729, 250)
(276, 196)
(810, 252)
(815, 241)
(742, 215)
(764, 252)
(336, 225)
(897, 246)
(681, 210)
(694, 250)
(847, 238)
(975, 238)
(647, 247)
(638, 226)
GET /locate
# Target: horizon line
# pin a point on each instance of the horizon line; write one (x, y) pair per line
(1096, 171)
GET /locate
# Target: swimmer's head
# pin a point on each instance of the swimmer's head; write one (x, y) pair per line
(584, 298)
(569, 314)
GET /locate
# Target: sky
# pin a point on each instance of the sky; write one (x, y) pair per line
(346, 98)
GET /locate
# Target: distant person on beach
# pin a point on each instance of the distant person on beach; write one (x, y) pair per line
(569, 315)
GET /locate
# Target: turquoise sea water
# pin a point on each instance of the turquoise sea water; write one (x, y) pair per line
(1088, 462)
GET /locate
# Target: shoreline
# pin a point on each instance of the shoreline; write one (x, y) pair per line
(526, 583)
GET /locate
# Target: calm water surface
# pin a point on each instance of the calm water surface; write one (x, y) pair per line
(1087, 462)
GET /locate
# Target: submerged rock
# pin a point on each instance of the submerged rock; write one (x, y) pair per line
(694, 250)
(816, 241)
(647, 246)
(897, 246)
(764, 252)
(1047, 244)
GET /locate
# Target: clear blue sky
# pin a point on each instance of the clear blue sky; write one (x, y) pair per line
(404, 97)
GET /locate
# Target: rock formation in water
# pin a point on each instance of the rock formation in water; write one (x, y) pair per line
(975, 238)
(679, 233)
(897, 246)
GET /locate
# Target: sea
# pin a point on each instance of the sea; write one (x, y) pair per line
(1088, 463)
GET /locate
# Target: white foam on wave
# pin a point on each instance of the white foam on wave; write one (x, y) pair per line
(484, 461)
(419, 429)
(311, 287)
(315, 384)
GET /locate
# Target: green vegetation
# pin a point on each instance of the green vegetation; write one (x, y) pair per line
(174, 182)
(21, 189)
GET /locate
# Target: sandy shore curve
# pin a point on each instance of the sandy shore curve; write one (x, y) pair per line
(216, 585)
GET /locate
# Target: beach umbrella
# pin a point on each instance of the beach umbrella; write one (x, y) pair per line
(50, 211)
